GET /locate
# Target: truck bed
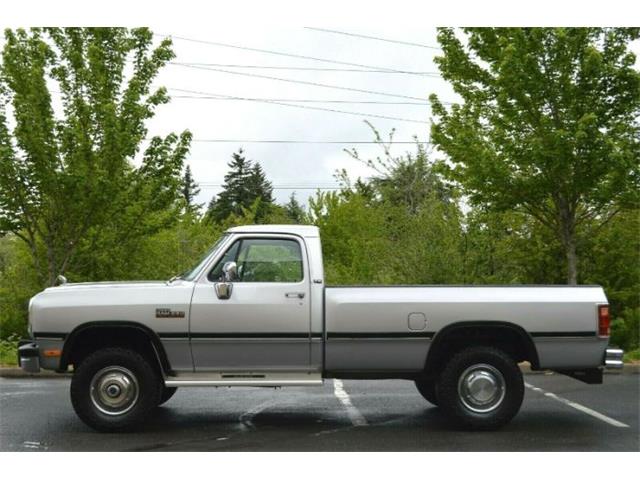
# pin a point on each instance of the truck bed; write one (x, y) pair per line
(371, 328)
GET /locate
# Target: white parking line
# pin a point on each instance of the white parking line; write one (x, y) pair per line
(246, 419)
(577, 406)
(357, 419)
(34, 445)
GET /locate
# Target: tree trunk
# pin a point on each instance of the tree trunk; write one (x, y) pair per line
(572, 261)
(568, 237)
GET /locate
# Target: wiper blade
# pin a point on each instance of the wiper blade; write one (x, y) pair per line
(175, 277)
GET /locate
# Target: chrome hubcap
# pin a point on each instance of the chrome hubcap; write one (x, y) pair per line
(481, 388)
(114, 390)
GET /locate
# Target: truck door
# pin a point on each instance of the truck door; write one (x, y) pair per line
(265, 323)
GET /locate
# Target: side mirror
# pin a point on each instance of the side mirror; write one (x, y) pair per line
(229, 271)
(225, 286)
(223, 290)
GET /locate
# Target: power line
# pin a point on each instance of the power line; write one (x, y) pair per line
(300, 100)
(306, 107)
(303, 82)
(302, 142)
(318, 69)
(275, 187)
(274, 52)
(368, 37)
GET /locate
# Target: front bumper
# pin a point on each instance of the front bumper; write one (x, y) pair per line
(29, 356)
(613, 358)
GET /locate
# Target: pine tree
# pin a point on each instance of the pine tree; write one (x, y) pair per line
(260, 187)
(190, 190)
(294, 210)
(243, 184)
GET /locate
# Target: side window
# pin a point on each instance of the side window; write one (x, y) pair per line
(264, 260)
(231, 256)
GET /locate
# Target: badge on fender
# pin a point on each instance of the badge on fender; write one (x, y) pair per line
(168, 313)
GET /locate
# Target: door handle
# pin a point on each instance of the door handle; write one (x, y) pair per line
(294, 295)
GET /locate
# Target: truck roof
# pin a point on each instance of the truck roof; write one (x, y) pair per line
(300, 230)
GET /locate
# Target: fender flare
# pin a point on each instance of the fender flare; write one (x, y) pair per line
(524, 336)
(153, 337)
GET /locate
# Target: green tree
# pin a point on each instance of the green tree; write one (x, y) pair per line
(548, 124)
(613, 260)
(245, 183)
(401, 226)
(508, 248)
(190, 190)
(407, 179)
(294, 210)
(67, 180)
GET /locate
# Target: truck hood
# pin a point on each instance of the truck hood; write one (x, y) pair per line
(64, 307)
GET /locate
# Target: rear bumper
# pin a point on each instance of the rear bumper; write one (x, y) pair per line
(613, 358)
(29, 356)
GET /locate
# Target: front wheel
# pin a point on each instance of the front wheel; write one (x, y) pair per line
(115, 389)
(481, 388)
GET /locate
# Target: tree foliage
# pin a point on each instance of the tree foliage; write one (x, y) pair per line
(67, 181)
(190, 190)
(295, 211)
(244, 184)
(548, 124)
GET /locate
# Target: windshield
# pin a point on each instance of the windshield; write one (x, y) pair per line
(190, 275)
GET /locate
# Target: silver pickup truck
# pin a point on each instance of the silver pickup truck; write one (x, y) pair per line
(255, 311)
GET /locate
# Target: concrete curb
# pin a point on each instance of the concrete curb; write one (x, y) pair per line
(14, 372)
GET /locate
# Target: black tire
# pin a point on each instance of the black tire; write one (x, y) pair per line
(427, 389)
(108, 372)
(482, 368)
(167, 393)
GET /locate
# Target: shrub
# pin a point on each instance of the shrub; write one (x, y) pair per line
(625, 330)
(9, 350)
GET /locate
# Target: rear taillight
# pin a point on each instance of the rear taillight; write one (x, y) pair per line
(604, 321)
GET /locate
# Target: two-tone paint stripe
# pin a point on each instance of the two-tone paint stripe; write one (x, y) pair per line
(289, 335)
(227, 335)
(330, 335)
(376, 335)
(562, 334)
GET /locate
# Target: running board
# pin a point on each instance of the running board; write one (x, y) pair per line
(244, 379)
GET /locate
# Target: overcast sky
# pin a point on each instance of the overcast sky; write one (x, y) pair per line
(296, 168)
(286, 165)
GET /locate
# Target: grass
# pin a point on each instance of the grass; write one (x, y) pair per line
(632, 356)
(9, 351)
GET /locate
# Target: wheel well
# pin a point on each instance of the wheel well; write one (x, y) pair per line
(508, 337)
(88, 338)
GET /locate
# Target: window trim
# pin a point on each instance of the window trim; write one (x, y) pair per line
(304, 256)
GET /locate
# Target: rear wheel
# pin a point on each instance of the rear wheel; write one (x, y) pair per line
(481, 388)
(427, 389)
(115, 389)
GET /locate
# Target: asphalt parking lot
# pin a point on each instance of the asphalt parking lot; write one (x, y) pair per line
(558, 414)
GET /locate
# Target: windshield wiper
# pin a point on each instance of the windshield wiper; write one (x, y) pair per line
(175, 277)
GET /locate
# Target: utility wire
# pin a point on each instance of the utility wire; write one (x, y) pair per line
(303, 82)
(302, 142)
(300, 100)
(274, 187)
(307, 107)
(273, 52)
(369, 37)
(317, 69)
